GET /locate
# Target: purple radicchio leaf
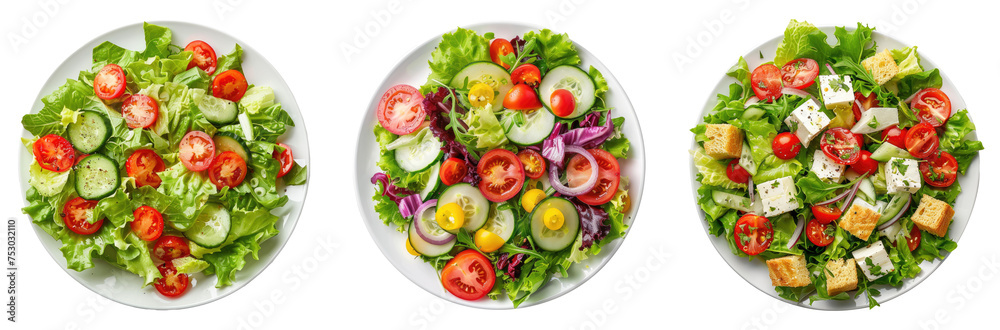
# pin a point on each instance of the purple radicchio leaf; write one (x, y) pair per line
(394, 192)
(588, 137)
(408, 205)
(592, 224)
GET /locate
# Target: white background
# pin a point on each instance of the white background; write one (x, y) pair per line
(665, 275)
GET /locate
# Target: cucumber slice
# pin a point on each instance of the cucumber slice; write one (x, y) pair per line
(416, 152)
(573, 79)
(894, 207)
(211, 228)
(485, 72)
(887, 150)
(555, 240)
(746, 159)
(96, 177)
(226, 141)
(218, 111)
(471, 200)
(422, 246)
(732, 201)
(89, 132)
(867, 188)
(501, 222)
(528, 128)
(432, 182)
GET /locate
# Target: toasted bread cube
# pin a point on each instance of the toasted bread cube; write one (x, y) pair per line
(788, 271)
(724, 141)
(842, 276)
(881, 66)
(860, 219)
(933, 216)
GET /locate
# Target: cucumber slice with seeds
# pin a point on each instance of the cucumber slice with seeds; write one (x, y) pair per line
(211, 228)
(90, 132)
(96, 177)
(573, 79)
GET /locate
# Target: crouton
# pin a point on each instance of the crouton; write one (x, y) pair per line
(788, 271)
(860, 219)
(724, 141)
(933, 216)
(841, 276)
(881, 66)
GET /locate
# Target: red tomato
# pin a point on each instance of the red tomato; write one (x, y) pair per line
(922, 140)
(527, 74)
(800, 73)
(204, 56)
(453, 170)
(401, 110)
(143, 165)
(534, 164)
(865, 164)
(840, 145)
(521, 97)
(498, 49)
(109, 83)
(469, 275)
(766, 82)
(563, 103)
(230, 85)
(80, 157)
(171, 247)
(736, 173)
(75, 215)
(284, 158)
(148, 223)
(914, 241)
(197, 150)
(895, 136)
(608, 176)
(140, 111)
(54, 153)
(932, 106)
(939, 170)
(172, 284)
(786, 145)
(826, 214)
(753, 234)
(227, 170)
(502, 175)
(867, 102)
(819, 233)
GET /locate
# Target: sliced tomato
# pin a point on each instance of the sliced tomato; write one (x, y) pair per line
(865, 164)
(563, 102)
(148, 223)
(932, 106)
(227, 170)
(172, 284)
(54, 153)
(203, 56)
(895, 136)
(527, 74)
(766, 82)
(534, 164)
(143, 165)
(800, 73)
(840, 145)
(922, 140)
(453, 170)
(753, 234)
(230, 85)
(140, 111)
(401, 110)
(285, 160)
(197, 150)
(76, 213)
(736, 173)
(608, 176)
(502, 175)
(820, 234)
(109, 83)
(867, 102)
(522, 97)
(171, 247)
(498, 49)
(939, 170)
(913, 242)
(826, 214)
(786, 145)
(469, 275)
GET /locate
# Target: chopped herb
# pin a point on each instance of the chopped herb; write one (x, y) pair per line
(873, 123)
(838, 85)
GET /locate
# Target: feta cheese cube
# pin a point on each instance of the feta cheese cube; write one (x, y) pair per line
(862, 203)
(826, 168)
(837, 91)
(778, 196)
(891, 231)
(902, 175)
(874, 261)
(876, 119)
(807, 121)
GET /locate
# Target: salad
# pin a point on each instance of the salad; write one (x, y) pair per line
(836, 165)
(505, 162)
(163, 162)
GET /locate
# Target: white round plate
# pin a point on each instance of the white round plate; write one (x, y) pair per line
(755, 271)
(123, 286)
(413, 70)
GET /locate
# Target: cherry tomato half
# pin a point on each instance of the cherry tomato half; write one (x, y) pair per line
(197, 150)
(203, 56)
(401, 110)
(534, 164)
(140, 111)
(736, 173)
(527, 74)
(922, 140)
(469, 275)
(867, 102)
(171, 247)
(932, 106)
(498, 49)
(285, 159)
(453, 170)
(840, 145)
(143, 165)
(939, 170)
(913, 242)
(800, 73)
(521, 97)
(766, 82)
(895, 135)
(54, 153)
(502, 175)
(75, 214)
(786, 145)
(109, 83)
(753, 234)
(608, 176)
(148, 223)
(172, 284)
(819, 233)
(230, 85)
(865, 164)
(825, 213)
(563, 103)
(227, 170)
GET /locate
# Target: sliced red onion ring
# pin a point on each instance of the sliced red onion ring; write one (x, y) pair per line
(796, 92)
(854, 192)
(887, 224)
(751, 101)
(835, 199)
(858, 104)
(796, 235)
(830, 67)
(585, 187)
(424, 232)
(910, 98)
(750, 189)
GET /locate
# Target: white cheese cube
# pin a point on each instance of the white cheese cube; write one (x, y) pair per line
(807, 121)
(891, 231)
(902, 175)
(876, 119)
(826, 168)
(862, 203)
(837, 91)
(874, 261)
(778, 196)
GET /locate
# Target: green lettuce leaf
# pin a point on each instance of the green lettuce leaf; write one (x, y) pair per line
(73, 95)
(485, 127)
(189, 190)
(413, 181)
(795, 42)
(555, 49)
(712, 171)
(257, 98)
(915, 82)
(231, 61)
(908, 61)
(456, 50)
(955, 141)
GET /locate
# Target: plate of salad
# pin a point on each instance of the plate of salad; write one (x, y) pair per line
(515, 158)
(835, 167)
(163, 167)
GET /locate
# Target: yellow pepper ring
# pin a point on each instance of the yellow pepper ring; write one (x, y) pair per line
(409, 248)
(480, 95)
(531, 198)
(553, 219)
(450, 216)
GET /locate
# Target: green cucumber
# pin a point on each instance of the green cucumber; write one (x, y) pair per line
(433, 181)
(419, 244)
(417, 151)
(562, 238)
(573, 79)
(732, 201)
(218, 111)
(500, 222)
(90, 131)
(527, 128)
(211, 228)
(887, 151)
(472, 202)
(488, 73)
(96, 177)
(894, 207)
(226, 141)
(746, 159)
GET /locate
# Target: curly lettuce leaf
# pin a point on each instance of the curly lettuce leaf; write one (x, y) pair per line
(955, 141)
(795, 42)
(73, 95)
(907, 60)
(456, 50)
(485, 127)
(189, 190)
(713, 172)
(555, 49)
(913, 83)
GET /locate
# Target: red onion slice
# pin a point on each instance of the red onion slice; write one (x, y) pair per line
(835, 199)
(424, 232)
(796, 92)
(751, 101)
(854, 192)
(750, 189)
(796, 235)
(910, 98)
(586, 186)
(887, 224)
(830, 67)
